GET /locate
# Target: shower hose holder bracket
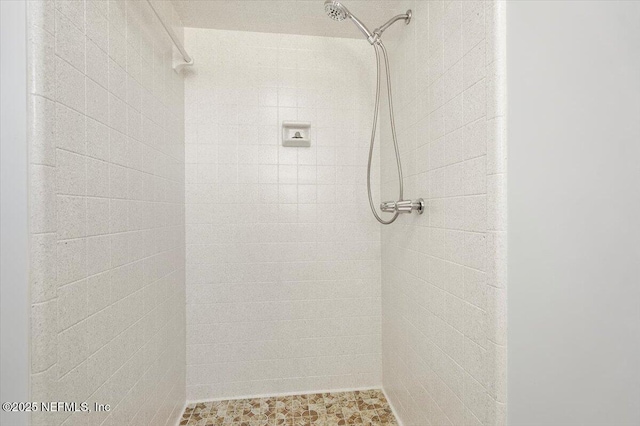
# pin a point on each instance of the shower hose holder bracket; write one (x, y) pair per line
(403, 206)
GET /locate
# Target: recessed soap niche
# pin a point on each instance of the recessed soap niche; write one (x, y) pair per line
(296, 133)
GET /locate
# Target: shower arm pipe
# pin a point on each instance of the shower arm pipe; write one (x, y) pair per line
(382, 28)
(188, 60)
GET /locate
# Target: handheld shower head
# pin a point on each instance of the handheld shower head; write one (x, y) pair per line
(335, 10)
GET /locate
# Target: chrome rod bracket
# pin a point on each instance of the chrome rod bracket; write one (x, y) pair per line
(403, 206)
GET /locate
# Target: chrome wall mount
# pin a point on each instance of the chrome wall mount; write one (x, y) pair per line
(403, 206)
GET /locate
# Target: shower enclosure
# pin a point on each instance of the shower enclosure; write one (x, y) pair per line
(192, 234)
(182, 255)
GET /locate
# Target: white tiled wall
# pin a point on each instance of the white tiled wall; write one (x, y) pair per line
(106, 212)
(283, 256)
(443, 274)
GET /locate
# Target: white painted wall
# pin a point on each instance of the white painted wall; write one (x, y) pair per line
(574, 205)
(14, 309)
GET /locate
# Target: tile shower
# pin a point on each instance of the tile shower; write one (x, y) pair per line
(181, 256)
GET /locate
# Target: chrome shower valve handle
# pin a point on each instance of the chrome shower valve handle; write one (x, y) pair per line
(403, 206)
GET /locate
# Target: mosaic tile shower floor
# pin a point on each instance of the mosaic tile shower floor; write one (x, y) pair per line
(367, 407)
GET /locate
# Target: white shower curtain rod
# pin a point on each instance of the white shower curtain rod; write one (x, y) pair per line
(188, 60)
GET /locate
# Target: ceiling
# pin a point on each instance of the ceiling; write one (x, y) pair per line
(280, 16)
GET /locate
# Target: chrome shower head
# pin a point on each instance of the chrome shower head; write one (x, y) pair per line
(338, 12)
(335, 10)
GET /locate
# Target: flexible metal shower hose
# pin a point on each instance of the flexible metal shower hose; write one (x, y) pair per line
(393, 132)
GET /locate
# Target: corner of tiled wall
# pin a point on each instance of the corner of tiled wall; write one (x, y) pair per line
(444, 273)
(106, 207)
(496, 210)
